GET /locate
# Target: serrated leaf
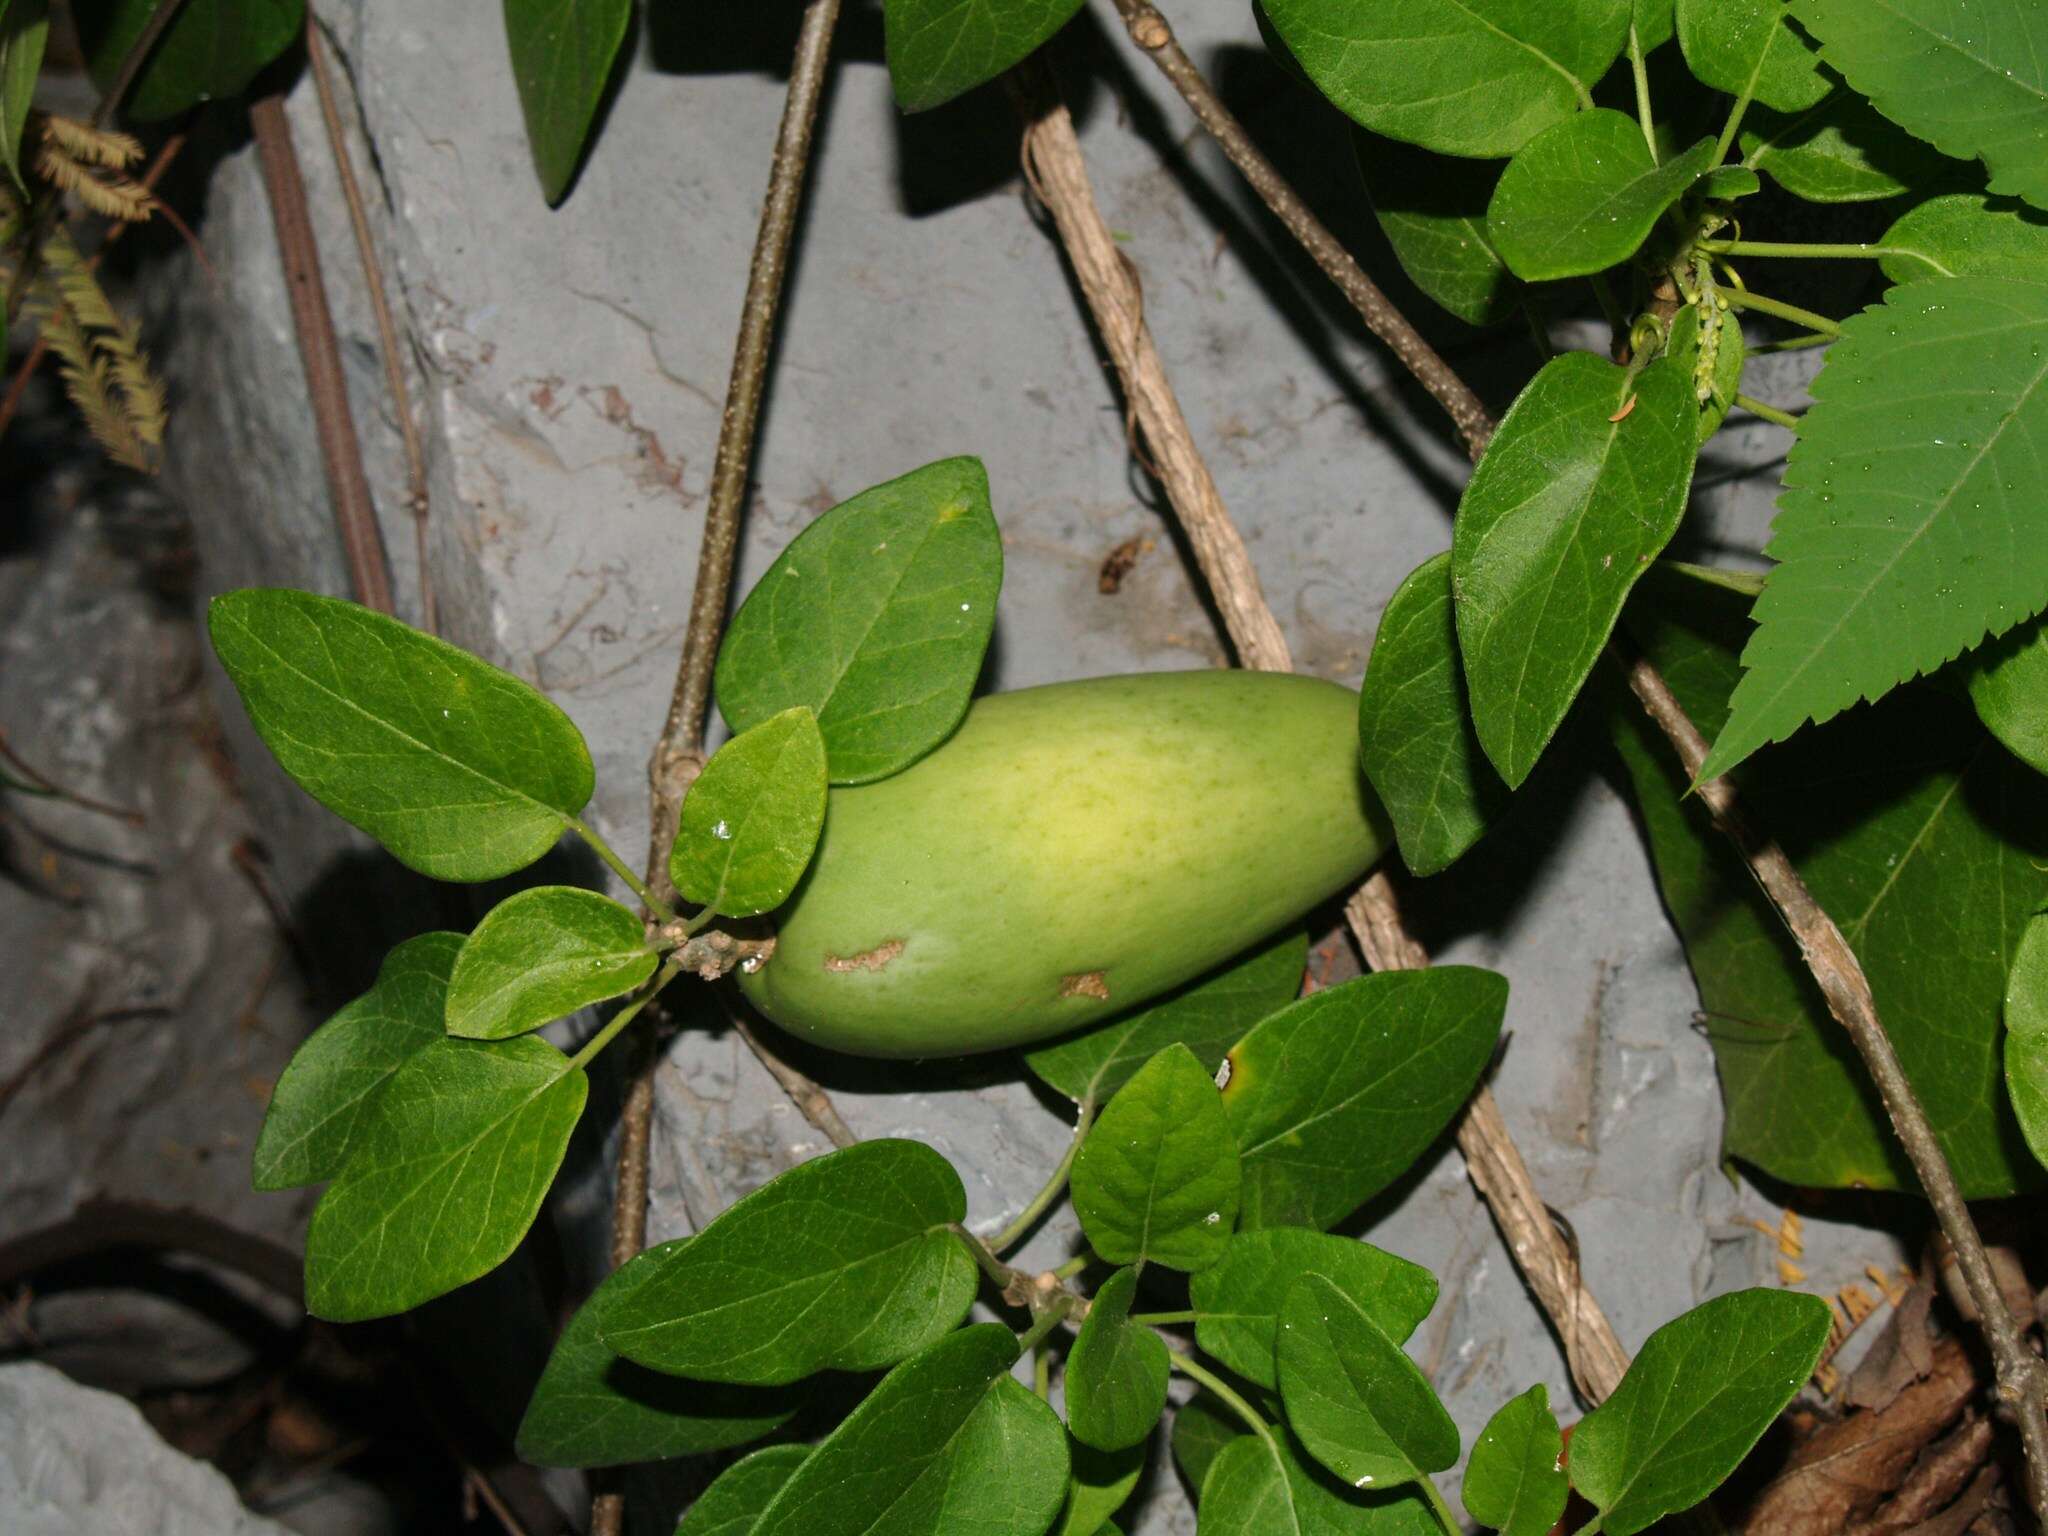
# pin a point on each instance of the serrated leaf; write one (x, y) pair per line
(1717, 377)
(444, 1175)
(1701, 1392)
(949, 1442)
(1415, 726)
(858, 1243)
(1750, 48)
(1464, 77)
(1970, 78)
(331, 1080)
(562, 57)
(1838, 152)
(461, 770)
(751, 821)
(1202, 1426)
(1909, 528)
(1514, 1481)
(1966, 234)
(1332, 1098)
(1101, 1483)
(876, 616)
(540, 955)
(2009, 687)
(1208, 1016)
(1157, 1178)
(1265, 1485)
(1238, 1301)
(1582, 196)
(2026, 1036)
(593, 1409)
(1578, 492)
(1116, 1372)
(1432, 209)
(939, 49)
(211, 52)
(740, 1495)
(24, 30)
(1358, 1403)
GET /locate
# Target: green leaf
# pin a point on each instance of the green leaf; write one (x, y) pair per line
(2009, 686)
(1654, 23)
(857, 1243)
(1838, 152)
(1967, 234)
(1116, 1374)
(1157, 1178)
(1357, 1401)
(1750, 48)
(1415, 727)
(540, 955)
(1726, 183)
(949, 1442)
(211, 52)
(562, 56)
(1432, 209)
(1331, 1099)
(24, 29)
(1715, 378)
(1102, 1483)
(1702, 1391)
(1582, 196)
(1264, 1485)
(1239, 1300)
(734, 1503)
(444, 1175)
(1970, 79)
(876, 616)
(939, 49)
(1514, 1481)
(1908, 529)
(1208, 1016)
(2026, 1036)
(332, 1079)
(594, 1409)
(1202, 1426)
(1465, 77)
(1929, 856)
(462, 771)
(1577, 494)
(751, 821)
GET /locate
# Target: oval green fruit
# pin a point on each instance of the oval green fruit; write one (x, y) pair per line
(1070, 852)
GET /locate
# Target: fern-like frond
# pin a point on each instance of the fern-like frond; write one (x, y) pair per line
(87, 376)
(100, 357)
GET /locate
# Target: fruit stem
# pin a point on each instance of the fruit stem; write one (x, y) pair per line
(1043, 1201)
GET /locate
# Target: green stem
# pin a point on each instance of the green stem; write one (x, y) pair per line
(1734, 126)
(1742, 298)
(1044, 1323)
(622, 869)
(999, 1273)
(1804, 250)
(1041, 1372)
(1591, 1527)
(1444, 1516)
(1195, 1371)
(1162, 1319)
(1757, 407)
(1072, 1267)
(1793, 343)
(1642, 74)
(1055, 1186)
(624, 1016)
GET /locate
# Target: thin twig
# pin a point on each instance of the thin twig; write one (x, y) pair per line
(42, 784)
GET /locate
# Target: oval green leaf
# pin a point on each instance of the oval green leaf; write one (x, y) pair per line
(751, 821)
(877, 617)
(539, 956)
(211, 52)
(562, 57)
(1966, 234)
(1116, 1373)
(1582, 196)
(2009, 687)
(939, 49)
(24, 30)
(858, 1243)
(2026, 1037)
(1750, 48)
(1838, 152)
(1102, 1482)
(1432, 209)
(1265, 1485)
(1202, 1426)
(462, 771)
(736, 1500)
(1514, 1480)
(1157, 1178)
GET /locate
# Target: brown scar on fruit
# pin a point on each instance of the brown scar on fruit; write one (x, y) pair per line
(875, 959)
(1085, 984)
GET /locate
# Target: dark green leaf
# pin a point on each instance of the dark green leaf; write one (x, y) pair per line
(1750, 48)
(1157, 1178)
(593, 1409)
(1331, 1099)
(1207, 1016)
(1239, 1300)
(1102, 1482)
(1358, 1403)
(940, 48)
(462, 771)
(876, 616)
(1415, 726)
(1715, 377)
(1202, 1426)
(1116, 1374)
(751, 821)
(1908, 529)
(1726, 183)
(1514, 1481)
(1433, 211)
(562, 55)
(1970, 79)
(1265, 1486)
(1967, 234)
(1654, 23)
(1704, 1388)
(2009, 686)
(1838, 152)
(2026, 1036)
(949, 1442)
(1582, 196)
(857, 1243)
(323, 1094)
(24, 29)
(540, 955)
(1466, 77)
(444, 1175)
(733, 1505)
(211, 52)
(1577, 494)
